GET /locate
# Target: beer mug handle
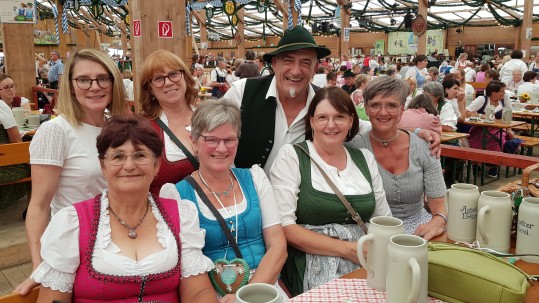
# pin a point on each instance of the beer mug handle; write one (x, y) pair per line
(361, 257)
(481, 223)
(26, 114)
(416, 280)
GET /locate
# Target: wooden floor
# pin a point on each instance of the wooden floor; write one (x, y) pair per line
(11, 225)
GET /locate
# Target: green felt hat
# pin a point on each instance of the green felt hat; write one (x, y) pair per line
(297, 38)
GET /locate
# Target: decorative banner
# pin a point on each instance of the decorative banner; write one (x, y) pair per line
(18, 11)
(230, 7)
(379, 46)
(164, 29)
(419, 26)
(405, 43)
(136, 28)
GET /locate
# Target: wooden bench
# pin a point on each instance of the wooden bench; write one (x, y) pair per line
(15, 153)
(528, 144)
(50, 94)
(523, 127)
(15, 298)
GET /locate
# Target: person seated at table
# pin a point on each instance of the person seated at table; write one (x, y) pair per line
(468, 89)
(321, 234)
(409, 172)
(412, 89)
(361, 81)
(421, 113)
(529, 86)
(495, 96)
(125, 244)
(516, 81)
(442, 102)
(9, 133)
(243, 198)
(8, 93)
(63, 158)
(167, 98)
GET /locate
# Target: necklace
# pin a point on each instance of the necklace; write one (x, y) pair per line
(132, 233)
(385, 142)
(232, 229)
(218, 194)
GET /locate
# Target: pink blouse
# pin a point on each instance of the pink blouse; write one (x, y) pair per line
(418, 117)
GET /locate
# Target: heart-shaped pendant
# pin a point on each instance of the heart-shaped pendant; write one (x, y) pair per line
(228, 276)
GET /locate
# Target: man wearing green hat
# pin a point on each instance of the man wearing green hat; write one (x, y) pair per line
(273, 108)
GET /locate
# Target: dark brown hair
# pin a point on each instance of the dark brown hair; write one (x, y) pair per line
(134, 128)
(423, 101)
(341, 101)
(494, 86)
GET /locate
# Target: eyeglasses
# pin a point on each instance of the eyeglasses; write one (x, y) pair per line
(214, 141)
(390, 107)
(174, 76)
(85, 83)
(9, 86)
(322, 120)
(140, 157)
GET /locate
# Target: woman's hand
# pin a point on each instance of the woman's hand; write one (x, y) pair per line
(461, 96)
(230, 298)
(434, 139)
(352, 252)
(431, 229)
(25, 287)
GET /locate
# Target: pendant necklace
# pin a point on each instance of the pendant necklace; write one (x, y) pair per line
(385, 142)
(234, 227)
(218, 194)
(132, 230)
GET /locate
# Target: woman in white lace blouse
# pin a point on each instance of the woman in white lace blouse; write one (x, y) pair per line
(64, 161)
(125, 245)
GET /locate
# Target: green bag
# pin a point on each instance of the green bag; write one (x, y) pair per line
(460, 274)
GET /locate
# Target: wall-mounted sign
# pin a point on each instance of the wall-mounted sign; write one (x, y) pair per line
(164, 29)
(346, 34)
(136, 28)
(18, 11)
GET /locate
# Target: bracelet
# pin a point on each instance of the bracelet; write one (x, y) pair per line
(417, 130)
(441, 215)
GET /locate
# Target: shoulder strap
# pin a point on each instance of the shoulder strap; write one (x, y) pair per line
(216, 213)
(178, 143)
(345, 202)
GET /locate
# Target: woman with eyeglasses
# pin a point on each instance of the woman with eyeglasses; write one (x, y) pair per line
(236, 207)
(125, 244)
(8, 93)
(409, 171)
(167, 98)
(63, 157)
(321, 234)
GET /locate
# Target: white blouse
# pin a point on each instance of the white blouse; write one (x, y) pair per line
(268, 204)
(285, 177)
(60, 248)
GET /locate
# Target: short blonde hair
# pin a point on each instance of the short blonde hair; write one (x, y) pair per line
(157, 62)
(67, 103)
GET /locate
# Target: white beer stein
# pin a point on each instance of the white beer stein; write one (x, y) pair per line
(489, 113)
(380, 230)
(528, 229)
(20, 114)
(461, 201)
(407, 273)
(258, 293)
(494, 220)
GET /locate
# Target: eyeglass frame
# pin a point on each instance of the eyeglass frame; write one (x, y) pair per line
(8, 87)
(151, 155)
(396, 109)
(110, 78)
(181, 71)
(332, 118)
(206, 141)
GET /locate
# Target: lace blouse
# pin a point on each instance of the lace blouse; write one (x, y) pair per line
(60, 248)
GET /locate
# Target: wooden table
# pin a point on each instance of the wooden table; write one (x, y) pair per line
(498, 124)
(528, 115)
(532, 295)
(449, 136)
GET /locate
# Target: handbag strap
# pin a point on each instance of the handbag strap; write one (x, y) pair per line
(178, 143)
(216, 213)
(345, 202)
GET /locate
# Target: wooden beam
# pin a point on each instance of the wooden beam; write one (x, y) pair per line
(93, 21)
(201, 21)
(280, 6)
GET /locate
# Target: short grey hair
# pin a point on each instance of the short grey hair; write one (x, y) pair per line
(434, 88)
(213, 113)
(385, 87)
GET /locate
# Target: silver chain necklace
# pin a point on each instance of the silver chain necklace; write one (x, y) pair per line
(385, 142)
(218, 194)
(132, 230)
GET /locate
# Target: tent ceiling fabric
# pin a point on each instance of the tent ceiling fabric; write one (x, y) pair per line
(366, 15)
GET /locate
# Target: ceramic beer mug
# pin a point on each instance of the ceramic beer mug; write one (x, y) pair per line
(489, 113)
(33, 121)
(461, 201)
(528, 229)
(494, 220)
(507, 115)
(258, 293)
(407, 269)
(380, 230)
(20, 115)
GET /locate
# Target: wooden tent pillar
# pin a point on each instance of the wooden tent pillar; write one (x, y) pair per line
(240, 32)
(344, 46)
(62, 47)
(149, 14)
(525, 39)
(19, 58)
(422, 41)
